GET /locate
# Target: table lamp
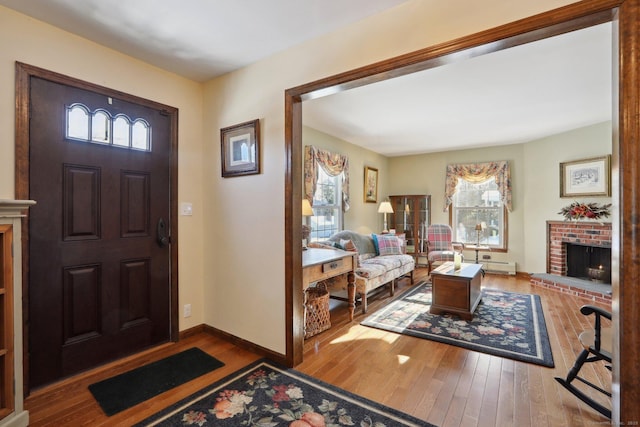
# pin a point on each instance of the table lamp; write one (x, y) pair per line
(385, 208)
(479, 228)
(307, 211)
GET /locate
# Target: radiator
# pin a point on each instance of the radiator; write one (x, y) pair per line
(502, 267)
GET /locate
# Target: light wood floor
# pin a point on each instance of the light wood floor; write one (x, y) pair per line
(439, 383)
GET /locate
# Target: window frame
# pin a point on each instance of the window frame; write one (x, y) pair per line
(339, 216)
(505, 225)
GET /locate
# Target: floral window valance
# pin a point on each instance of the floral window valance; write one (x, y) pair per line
(477, 173)
(332, 163)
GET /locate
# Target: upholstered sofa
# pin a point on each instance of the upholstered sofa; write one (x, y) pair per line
(381, 260)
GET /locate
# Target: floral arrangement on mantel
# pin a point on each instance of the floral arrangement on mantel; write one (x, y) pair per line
(577, 211)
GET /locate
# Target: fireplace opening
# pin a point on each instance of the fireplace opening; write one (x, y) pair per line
(589, 262)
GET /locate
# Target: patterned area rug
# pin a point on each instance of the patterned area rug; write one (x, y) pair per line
(264, 394)
(504, 324)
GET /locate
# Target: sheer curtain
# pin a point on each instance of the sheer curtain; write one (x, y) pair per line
(477, 173)
(333, 164)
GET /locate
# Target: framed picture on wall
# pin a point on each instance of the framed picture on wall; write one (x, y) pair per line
(240, 149)
(370, 184)
(587, 177)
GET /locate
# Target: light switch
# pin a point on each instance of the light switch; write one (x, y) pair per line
(186, 209)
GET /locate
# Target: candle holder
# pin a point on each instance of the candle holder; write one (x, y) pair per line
(457, 260)
(597, 275)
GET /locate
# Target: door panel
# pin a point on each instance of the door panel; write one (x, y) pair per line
(99, 285)
(135, 202)
(81, 303)
(81, 203)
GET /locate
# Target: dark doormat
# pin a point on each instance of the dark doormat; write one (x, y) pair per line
(126, 390)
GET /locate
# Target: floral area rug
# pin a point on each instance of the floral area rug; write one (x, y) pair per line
(264, 394)
(504, 324)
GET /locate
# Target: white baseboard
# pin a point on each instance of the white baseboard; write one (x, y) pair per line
(500, 267)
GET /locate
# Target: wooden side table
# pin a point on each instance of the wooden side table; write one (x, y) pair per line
(478, 249)
(321, 264)
(456, 291)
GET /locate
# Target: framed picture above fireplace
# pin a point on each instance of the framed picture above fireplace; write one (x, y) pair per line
(587, 177)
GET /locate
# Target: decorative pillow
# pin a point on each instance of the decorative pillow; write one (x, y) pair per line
(374, 237)
(348, 245)
(388, 244)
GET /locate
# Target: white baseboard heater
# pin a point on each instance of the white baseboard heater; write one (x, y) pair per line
(500, 267)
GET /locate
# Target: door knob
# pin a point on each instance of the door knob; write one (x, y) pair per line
(162, 238)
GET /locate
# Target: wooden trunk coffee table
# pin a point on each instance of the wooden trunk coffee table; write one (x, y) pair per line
(456, 291)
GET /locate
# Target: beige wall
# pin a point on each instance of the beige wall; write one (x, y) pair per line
(425, 174)
(542, 199)
(361, 217)
(33, 42)
(535, 183)
(244, 285)
(232, 249)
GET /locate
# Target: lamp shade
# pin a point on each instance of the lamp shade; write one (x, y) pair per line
(306, 208)
(385, 207)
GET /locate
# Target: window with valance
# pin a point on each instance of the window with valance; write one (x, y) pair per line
(326, 187)
(478, 173)
(333, 164)
(480, 195)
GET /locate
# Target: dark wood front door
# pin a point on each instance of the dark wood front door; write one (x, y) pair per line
(99, 236)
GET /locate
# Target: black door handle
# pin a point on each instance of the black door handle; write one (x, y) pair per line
(161, 237)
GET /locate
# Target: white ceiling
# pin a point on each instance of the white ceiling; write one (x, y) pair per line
(200, 39)
(511, 96)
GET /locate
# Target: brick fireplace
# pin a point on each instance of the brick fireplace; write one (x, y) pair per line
(560, 234)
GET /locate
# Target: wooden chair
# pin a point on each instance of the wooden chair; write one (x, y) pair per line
(597, 343)
(440, 248)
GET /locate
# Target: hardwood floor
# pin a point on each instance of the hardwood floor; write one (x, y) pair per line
(439, 383)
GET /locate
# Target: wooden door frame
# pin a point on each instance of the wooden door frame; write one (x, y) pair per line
(23, 74)
(625, 15)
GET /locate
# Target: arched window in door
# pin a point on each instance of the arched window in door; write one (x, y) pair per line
(101, 127)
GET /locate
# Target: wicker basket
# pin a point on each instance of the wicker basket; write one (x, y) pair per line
(316, 311)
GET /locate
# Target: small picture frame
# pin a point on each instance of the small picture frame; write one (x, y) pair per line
(586, 178)
(240, 149)
(370, 185)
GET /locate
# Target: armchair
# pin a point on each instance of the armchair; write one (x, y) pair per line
(440, 248)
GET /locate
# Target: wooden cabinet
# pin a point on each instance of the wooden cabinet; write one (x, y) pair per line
(411, 216)
(6, 320)
(12, 412)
